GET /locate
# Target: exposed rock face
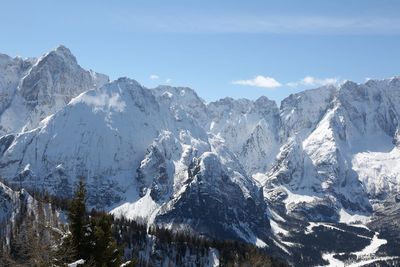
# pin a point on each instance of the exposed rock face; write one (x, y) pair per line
(249, 128)
(301, 112)
(214, 205)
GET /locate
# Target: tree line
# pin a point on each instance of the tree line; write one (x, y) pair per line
(37, 238)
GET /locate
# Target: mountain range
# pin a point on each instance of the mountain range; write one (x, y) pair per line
(314, 181)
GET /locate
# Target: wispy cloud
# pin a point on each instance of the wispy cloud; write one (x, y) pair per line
(234, 23)
(168, 80)
(260, 81)
(313, 81)
(271, 83)
(154, 77)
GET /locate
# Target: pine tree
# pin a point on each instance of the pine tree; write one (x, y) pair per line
(105, 252)
(78, 222)
(91, 238)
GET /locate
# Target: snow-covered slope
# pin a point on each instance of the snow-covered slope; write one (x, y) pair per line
(88, 132)
(301, 112)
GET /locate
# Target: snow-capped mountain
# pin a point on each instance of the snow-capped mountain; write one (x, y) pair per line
(347, 159)
(230, 169)
(33, 89)
(141, 163)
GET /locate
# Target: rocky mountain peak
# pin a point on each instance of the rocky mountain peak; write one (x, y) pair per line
(39, 88)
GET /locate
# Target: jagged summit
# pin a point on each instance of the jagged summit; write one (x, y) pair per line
(264, 101)
(63, 49)
(63, 52)
(125, 83)
(35, 91)
(181, 94)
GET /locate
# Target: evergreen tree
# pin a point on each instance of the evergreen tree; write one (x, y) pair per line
(78, 220)
(105, 252)
(91, 238)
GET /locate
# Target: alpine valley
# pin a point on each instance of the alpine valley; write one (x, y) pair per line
(313, 182)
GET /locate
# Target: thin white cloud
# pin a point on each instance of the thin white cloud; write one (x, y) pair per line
(260, 81)
(154, 77)
(313, 81)
(168, 80)
(235, 23)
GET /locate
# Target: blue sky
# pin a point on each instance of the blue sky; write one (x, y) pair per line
(219, 48)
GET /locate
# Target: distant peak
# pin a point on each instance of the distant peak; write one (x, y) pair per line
(263, 100)
(127, 81)
(395, 79)
(186, 92)
(61, 52)
(64, 51)
(371, 82)
(177, 89)
(62, 48)
(347, 83)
